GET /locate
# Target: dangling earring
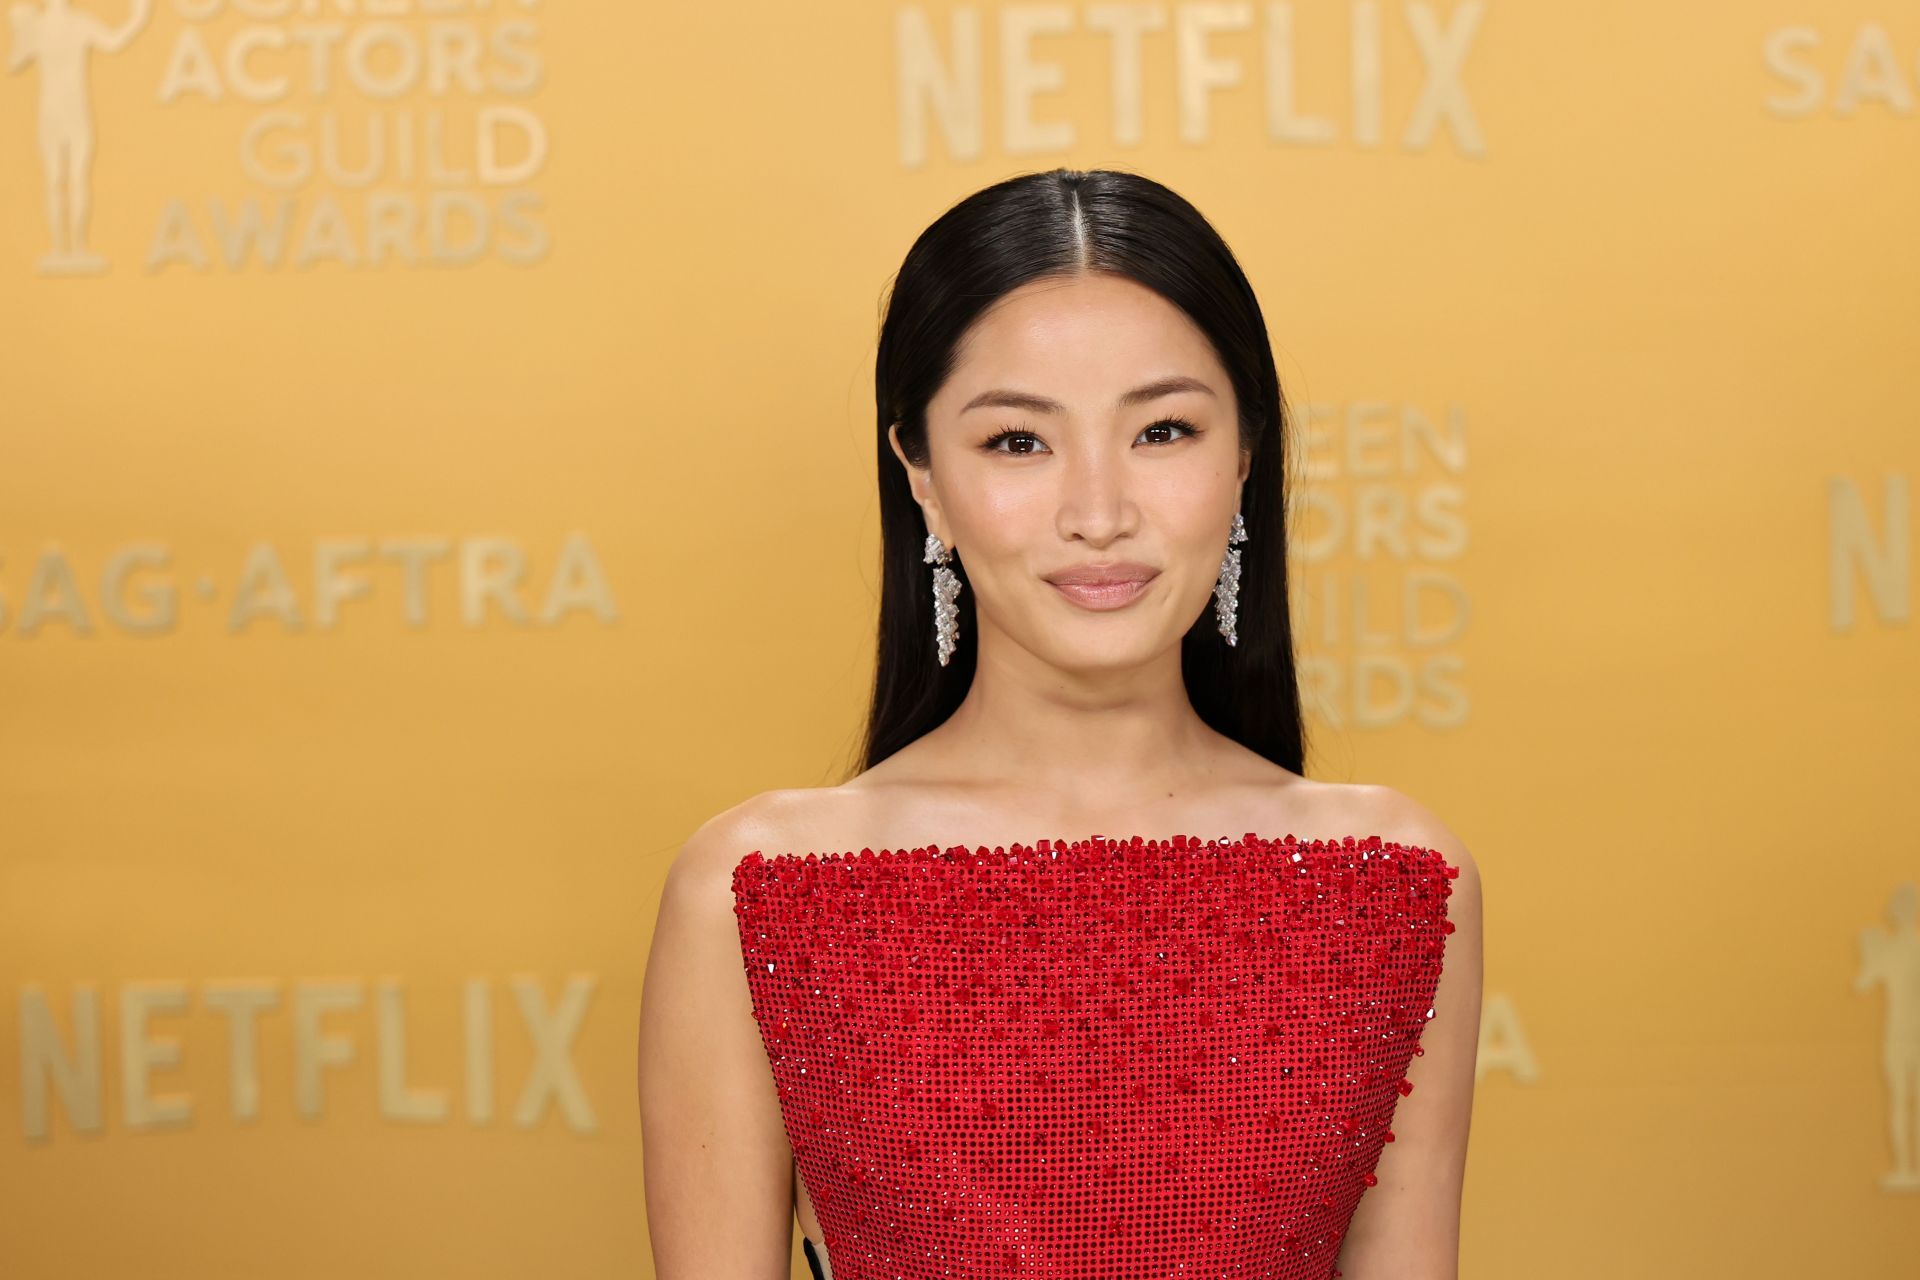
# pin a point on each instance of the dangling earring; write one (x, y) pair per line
(1226, 592)
(946, 588)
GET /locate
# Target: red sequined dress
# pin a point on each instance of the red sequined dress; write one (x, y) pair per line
(1092, 1059)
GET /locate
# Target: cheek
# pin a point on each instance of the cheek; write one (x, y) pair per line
(1002, 531)
(1195, 546)
(998, 521)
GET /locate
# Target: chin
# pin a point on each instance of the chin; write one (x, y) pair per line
(1111, 651)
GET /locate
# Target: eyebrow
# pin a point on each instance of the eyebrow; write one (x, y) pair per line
(1000, 399)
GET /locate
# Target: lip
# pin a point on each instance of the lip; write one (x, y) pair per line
(1103, 586)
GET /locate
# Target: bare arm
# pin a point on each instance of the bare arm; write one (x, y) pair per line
(1408, 1226)
(719, 1176)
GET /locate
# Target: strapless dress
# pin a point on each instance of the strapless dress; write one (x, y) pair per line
(1096, 1058)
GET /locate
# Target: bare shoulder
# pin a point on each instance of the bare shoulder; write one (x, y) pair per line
(718, 1168)
(1376, 809)
(695, 936)
(778, 821)
(712, 850)
(694, 968)
(1371, 808)
(1409, 1223)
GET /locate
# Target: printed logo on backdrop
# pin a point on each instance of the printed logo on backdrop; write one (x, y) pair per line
(137, 590)
(365, 133)
(107, 1069)
(942, 71)
(1841, 73)
(1890, 960)
(1381, 605)
(1870, 550)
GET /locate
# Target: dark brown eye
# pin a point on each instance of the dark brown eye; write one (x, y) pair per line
(1173, 424)
(992, 444)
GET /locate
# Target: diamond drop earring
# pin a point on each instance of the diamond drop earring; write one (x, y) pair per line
(1226, 592)
(946, 589)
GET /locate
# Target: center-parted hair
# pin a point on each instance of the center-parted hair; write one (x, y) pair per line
(1065, 223)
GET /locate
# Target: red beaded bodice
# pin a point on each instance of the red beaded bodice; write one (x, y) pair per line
(1110, 1057)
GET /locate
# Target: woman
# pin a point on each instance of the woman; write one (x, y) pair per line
(991, 1006)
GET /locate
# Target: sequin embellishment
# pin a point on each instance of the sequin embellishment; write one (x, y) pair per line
(1090, 1059)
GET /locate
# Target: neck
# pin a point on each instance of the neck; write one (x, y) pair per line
(1099, 735)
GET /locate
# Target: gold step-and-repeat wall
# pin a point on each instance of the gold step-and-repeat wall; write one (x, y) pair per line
(434, 434)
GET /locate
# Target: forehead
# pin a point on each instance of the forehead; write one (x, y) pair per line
(1081, 340)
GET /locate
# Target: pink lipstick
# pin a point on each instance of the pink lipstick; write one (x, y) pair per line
(1111, 585)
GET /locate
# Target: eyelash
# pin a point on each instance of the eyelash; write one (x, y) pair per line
(992, 442)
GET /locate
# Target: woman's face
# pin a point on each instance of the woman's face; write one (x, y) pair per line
(1087, 426)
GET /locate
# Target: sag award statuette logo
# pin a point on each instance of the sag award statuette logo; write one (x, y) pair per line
(60, 41)
(358, 135)
(1890, 959)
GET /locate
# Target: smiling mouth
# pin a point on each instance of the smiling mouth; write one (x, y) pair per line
(1113, 594)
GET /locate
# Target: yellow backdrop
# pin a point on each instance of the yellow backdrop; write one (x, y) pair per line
(434, 436)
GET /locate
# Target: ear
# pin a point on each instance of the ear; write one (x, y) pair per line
(920, 481)
(1246, 463)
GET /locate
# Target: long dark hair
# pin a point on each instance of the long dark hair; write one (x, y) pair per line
(1070, 222)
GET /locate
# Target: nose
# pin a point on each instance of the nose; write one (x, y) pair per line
(1096, 503)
